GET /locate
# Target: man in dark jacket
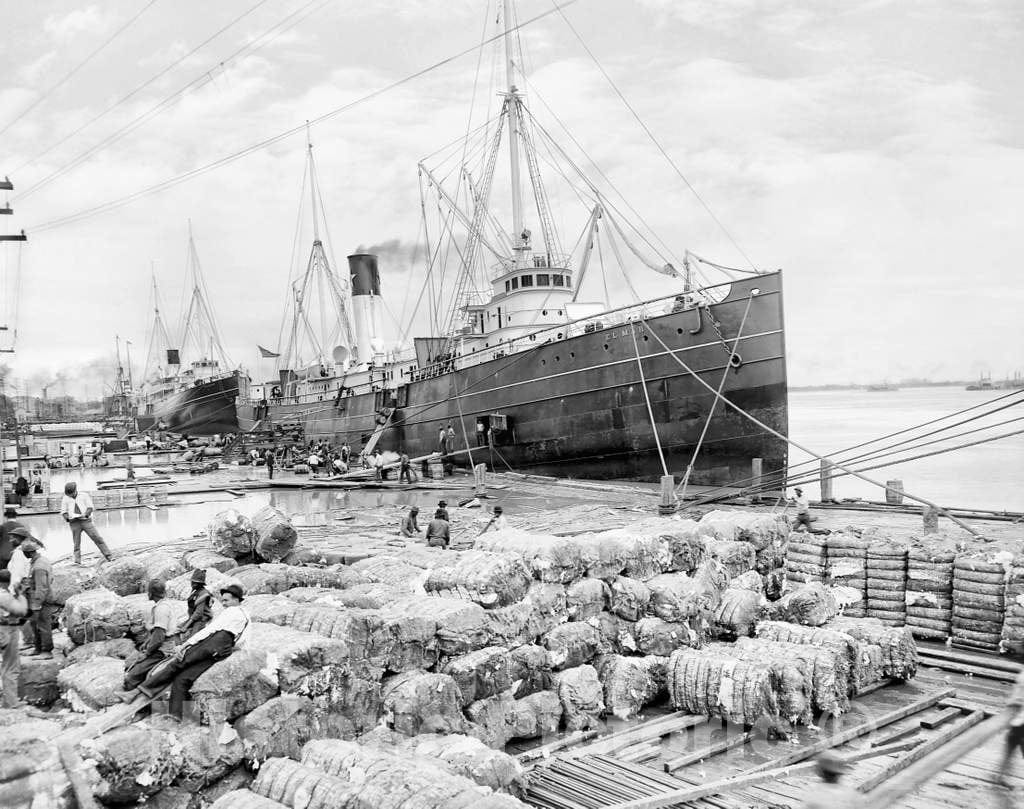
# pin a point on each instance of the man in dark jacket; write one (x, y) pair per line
(39, 601)
(6, 546)
(438, 531)
(200, 605)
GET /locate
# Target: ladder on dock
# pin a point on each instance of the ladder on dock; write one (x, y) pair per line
(371, 445)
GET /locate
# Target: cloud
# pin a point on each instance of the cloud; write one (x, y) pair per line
(66, 28)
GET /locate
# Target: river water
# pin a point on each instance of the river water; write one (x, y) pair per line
(985, 476)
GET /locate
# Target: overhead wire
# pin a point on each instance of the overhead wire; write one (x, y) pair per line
(841, 453)
(269, 141)
(654, 140)
(67, 76)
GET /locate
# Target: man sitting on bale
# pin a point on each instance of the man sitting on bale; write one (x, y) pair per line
(163, 635)
(193, 657)
(200, 605)
(410, 527)
(438, 531)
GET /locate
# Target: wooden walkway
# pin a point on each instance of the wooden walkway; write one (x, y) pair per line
(633, 772)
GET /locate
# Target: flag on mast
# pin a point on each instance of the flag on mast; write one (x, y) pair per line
(266, 353)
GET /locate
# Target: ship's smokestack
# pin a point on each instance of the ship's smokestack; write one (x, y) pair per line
(366, 304)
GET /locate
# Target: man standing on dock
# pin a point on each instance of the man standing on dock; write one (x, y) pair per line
(405, 475)
(803, 509)
(269, 459)
(76, 508)
(13, 608)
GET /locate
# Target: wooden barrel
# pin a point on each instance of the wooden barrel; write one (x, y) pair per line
(894, 492)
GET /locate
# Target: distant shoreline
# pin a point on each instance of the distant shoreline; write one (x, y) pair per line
(916, 383)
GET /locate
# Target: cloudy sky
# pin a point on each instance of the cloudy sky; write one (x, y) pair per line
(873, 150)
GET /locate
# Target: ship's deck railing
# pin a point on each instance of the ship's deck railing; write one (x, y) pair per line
(535, 261)
(574, 328)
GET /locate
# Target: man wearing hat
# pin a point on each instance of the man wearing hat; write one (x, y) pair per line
(13, 608)
(216, 641)
(498, 521)
(200, 605)
(803, 509)
(442, 506)
(76, 509)
(410, 525)
(831, 794)
(162, 627)
(39, 602)
(8, 525)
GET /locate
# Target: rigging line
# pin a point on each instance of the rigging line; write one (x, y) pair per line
(777, 434)
(870, 458)
(654, 140)
(67, 76)
(547, 136)
(711, 410)
(647, 400)
(622, 266)
(291, 261)
(611, 206)
(131, 94)
(604, 272)
(742, 482)
(255, 147)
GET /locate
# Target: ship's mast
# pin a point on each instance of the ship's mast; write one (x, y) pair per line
(512, 100)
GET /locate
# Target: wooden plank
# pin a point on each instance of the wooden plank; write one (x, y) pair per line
(74, 769)
(710, 750)
(687, 794)
(895, 736)
(941, 718)
(647, 730)
(964, 668)
(966, 705)
(860, 730)
(553, 747)
(977, 659)
(919, 753)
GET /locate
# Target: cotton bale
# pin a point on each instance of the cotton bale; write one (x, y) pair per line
(631, 683)
(657, 637)
(630, 598)
(235, 686)
(536, 715)
(230, 533)
(69, 580)
(205, 558)
(38, 681)
(421, 702)
(582, 697)
(570, 645)
(716, 685)
(586, 598)
(91, 685)
(480, 674)
(554, 560)
(488, 578)
(130, 763)
(529, 670)
(209, 752)
(96, 615)
(124, 576)
(274, 532)
(281, 726)
(490, 718)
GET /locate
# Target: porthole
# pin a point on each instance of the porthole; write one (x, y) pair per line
(557, 358)
(543, 362)
(545, 311)
(679, 331)
(606, 346)
(645, 338)
(572, 354)
(559, 335)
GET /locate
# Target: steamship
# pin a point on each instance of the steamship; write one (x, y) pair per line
(197, 394)
(531, 372)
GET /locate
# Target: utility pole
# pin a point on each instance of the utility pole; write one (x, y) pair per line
(7, 210)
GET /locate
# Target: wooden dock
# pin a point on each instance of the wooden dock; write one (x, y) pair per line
(933, 742)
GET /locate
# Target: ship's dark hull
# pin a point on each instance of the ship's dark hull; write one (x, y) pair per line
(205, 408)
(576, 407)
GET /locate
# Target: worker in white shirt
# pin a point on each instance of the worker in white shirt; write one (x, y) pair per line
(803, 509)
(76, 508)
(216, 641)
(498, 521)
(13, 608)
